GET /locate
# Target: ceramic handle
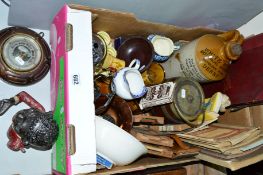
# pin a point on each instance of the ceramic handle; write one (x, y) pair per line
(232, 35)
(135, 64)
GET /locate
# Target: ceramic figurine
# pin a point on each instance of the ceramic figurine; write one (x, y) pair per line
(30, 128)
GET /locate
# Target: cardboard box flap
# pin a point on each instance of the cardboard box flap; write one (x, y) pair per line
(145, 163)
(123, 24)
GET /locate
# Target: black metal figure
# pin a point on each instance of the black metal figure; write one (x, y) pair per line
(30, 128)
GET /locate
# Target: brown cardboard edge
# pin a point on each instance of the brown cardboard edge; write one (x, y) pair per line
(256, 113)
(146, 163)
(234, 164)
(146, 28)
(242, 117)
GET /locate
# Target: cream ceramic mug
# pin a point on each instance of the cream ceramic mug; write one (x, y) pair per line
(163, 47)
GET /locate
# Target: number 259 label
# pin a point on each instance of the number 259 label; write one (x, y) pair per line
(76, 80)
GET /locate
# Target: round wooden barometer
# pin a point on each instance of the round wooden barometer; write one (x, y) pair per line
(24, 56)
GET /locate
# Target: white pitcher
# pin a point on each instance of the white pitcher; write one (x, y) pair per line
(128, 82)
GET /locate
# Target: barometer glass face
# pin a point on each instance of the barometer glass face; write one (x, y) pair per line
(21, 53)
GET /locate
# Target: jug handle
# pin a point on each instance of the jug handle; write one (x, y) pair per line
(232, 35)
(135, 63)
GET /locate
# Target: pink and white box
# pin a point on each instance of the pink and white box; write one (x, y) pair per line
(72, 92)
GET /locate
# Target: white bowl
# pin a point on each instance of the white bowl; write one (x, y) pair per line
(115, 144)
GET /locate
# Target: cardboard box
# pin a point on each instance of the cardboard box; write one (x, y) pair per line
(72, 82)
(126, 24)
(240, 118)
(244, 81)
(72, 92)
(249, 116)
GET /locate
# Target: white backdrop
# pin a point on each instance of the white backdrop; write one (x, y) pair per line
(223, 14)
(32, 162)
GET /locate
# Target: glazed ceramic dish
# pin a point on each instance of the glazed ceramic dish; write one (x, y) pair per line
(136, 48)
(117, 145)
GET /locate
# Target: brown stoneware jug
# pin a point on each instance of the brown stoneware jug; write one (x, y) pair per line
(205, 59)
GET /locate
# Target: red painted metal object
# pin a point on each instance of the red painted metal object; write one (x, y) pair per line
(29, 100)
(15, 142)
(30, 128)
(244, 81)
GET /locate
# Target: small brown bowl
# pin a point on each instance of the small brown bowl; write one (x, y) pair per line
(136, 48)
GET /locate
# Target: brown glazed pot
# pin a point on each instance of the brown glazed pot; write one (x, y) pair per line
(121, 113)
(139, 48)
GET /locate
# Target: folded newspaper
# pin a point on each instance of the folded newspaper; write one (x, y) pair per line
(227, 139)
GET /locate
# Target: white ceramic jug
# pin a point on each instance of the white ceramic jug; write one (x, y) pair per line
(128, 82)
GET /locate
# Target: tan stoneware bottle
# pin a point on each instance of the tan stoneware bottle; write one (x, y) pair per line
(205, 59)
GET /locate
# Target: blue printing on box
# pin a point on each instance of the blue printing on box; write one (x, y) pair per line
(104, 162)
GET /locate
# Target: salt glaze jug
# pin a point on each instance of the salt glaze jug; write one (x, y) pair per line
(205, 59)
